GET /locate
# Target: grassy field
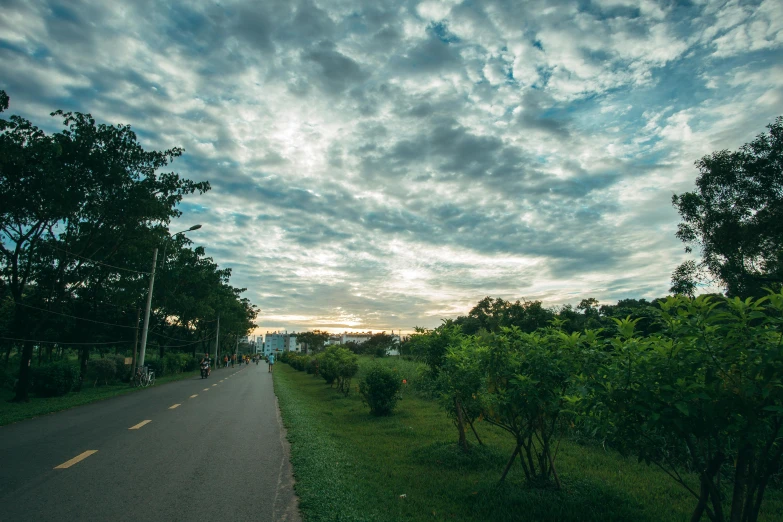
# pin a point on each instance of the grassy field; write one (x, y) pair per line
(14, 412)
(351, 466)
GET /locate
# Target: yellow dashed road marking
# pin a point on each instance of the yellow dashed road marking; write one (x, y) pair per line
(175, 406)
(139, 425)
(78, 458)
(214, 385)
(205, 389)
(194, 396)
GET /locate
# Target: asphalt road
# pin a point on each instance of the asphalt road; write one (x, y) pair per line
(220, 455)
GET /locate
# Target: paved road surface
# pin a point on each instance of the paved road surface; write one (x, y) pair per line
(219, 455)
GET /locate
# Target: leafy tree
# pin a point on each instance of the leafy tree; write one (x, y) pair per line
(82, 193)
(460, 382)
(705, 394)
(339, 365)
(531, 381)
(491, 314)
(312, 341)
(380, 389)
(378, 344)
(735, 217)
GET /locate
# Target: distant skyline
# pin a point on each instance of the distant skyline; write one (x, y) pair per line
(383, 165)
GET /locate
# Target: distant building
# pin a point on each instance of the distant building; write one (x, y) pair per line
(358, 337)
(274, 342)
(290, 343)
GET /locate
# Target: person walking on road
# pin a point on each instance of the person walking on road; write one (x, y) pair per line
(271, 361)
(225, 361)
(233, 359)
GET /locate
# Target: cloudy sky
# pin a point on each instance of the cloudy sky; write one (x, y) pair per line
(379, 165)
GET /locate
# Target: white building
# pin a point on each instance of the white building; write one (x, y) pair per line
(290, 343)
(274, 342)
(358, 338)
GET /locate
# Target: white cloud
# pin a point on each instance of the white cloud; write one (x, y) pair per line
(373, 170)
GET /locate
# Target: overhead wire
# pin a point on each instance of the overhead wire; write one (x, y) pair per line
(60, 342)
(99, 262)
(153, 332)
(194, 342)
(75, 317)
(167, 337)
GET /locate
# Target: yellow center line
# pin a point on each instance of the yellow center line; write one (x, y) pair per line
(175, 406)
(205, 389)
(78, 458)
(139, 425)
(194, 396)
(214, 385)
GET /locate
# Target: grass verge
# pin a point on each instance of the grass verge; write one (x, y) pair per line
(350, 466)
(15, 412)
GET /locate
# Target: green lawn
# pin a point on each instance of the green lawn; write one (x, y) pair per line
(351, 466)
(14, 412)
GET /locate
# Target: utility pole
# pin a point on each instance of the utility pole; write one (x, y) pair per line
(147, 310)
(135, 342)
(236, 350)
(217, 336)
(149, 293)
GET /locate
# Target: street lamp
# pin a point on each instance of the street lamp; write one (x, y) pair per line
(149, 295)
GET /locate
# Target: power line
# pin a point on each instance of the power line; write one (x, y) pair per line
(58, 342)
(100, 322)
(74, 317)
(99, 262)
(167, 337)
(194, 342)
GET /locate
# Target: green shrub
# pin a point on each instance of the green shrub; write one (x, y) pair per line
(178, 362)
(102, 370)
(55, 379)
(155, 365)
(312, 365)
(338, 364)
(380, 390)
(8, 376)
(327, 367)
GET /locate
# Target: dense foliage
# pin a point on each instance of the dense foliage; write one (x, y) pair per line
(702, 393)
(338, 365)
(81, 212)
(735, 218)
(380, 389)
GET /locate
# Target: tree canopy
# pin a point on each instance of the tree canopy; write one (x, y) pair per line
(735, 218)
(81, 212)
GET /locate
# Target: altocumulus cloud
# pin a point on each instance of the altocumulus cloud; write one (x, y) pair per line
(385, 164)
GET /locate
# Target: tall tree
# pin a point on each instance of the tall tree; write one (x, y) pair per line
(83, 191)
(735, 218)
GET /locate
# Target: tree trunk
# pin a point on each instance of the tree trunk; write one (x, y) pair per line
(474, 430)
(510, 462)
(740, 484)
(463, 441)
(23, 384)
(704, 494)
(84, 355)
(554, 471)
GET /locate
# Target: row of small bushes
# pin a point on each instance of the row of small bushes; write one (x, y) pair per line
(60, 377)
(380, 388)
